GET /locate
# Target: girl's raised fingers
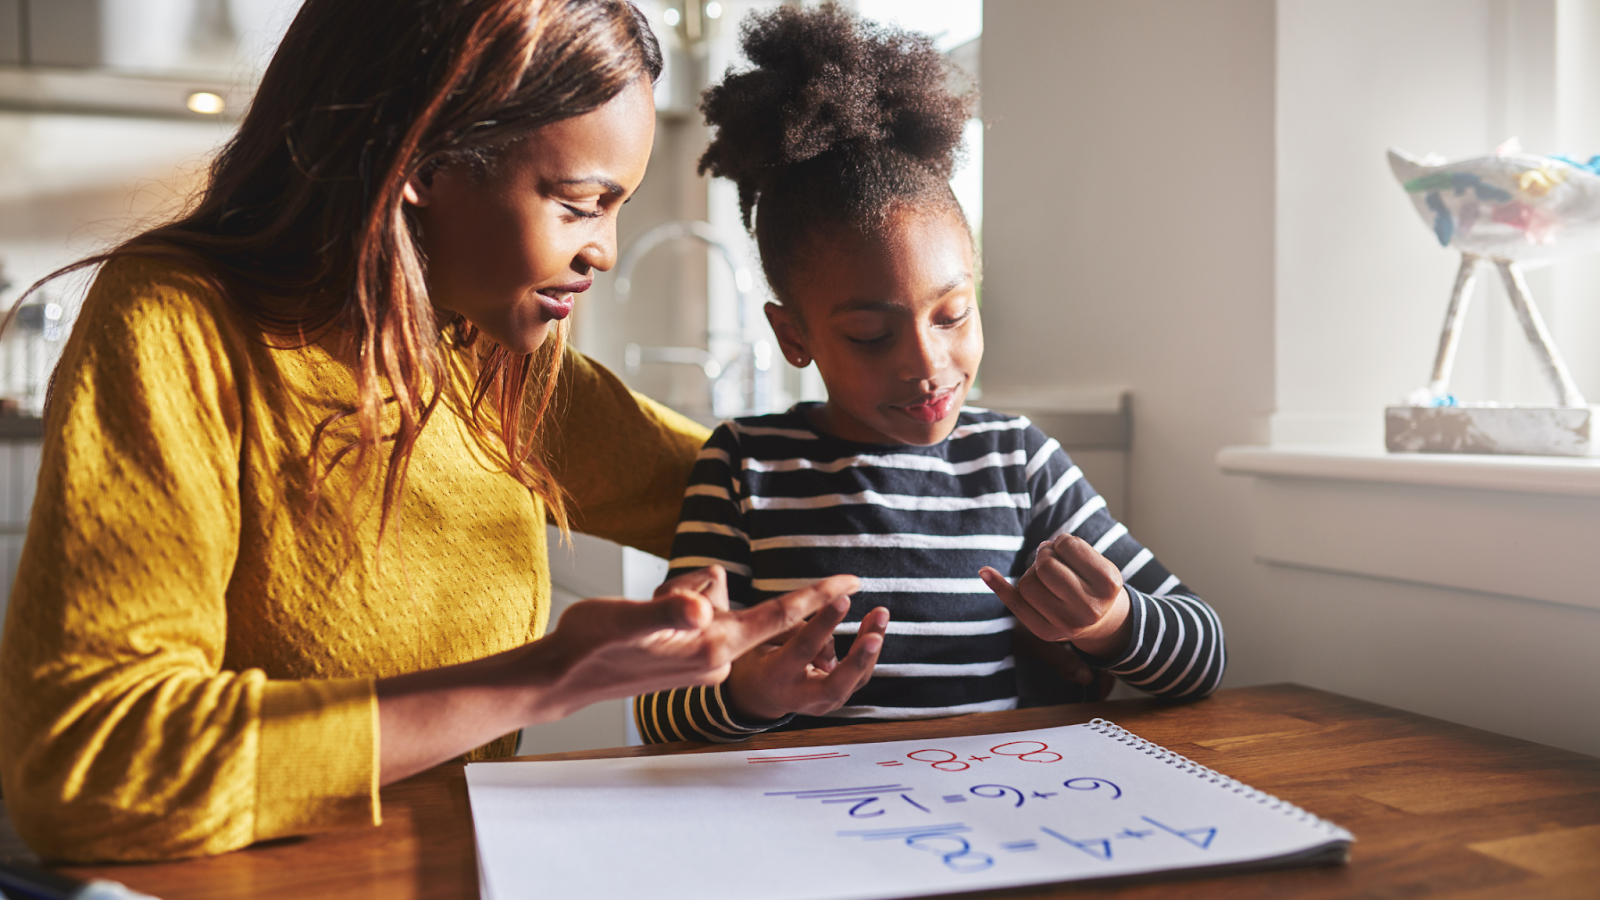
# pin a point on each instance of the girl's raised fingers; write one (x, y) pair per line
(1014, 600)
(816, 636)
(1057, 576)
(1100, 576)
(856, 668)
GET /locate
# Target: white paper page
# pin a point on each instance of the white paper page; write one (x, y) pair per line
(863, 821)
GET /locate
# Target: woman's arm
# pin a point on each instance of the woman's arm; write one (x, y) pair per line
(601, 649)
(125, 736)
(622, 458)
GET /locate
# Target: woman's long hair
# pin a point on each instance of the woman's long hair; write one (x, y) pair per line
(302, 227)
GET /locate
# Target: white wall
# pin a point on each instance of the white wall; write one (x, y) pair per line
(1192, 199)
(1128, 180)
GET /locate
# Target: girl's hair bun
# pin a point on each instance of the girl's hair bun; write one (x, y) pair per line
(829, 94)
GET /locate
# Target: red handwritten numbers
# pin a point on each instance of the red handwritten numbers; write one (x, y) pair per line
(946, 761)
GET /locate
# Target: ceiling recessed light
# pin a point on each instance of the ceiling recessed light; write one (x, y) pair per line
(713, 10)
(205, 103)
(671, 17)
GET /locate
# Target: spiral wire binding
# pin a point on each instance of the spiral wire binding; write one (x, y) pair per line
(1185, 764)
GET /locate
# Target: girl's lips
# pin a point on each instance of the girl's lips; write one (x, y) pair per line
(934, 409)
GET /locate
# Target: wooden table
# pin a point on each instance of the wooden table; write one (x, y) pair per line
(1438, 810)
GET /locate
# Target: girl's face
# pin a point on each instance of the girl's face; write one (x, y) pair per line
(892, 322)
(511, 249)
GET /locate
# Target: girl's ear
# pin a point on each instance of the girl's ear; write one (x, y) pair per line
(791, 337)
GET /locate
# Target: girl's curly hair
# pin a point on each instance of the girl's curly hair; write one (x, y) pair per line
(837, 122)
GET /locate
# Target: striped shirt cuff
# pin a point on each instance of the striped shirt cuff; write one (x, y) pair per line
(694, 714)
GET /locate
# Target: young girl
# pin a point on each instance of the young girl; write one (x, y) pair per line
(842, 139)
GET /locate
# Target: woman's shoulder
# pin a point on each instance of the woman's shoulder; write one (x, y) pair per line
(141, 293)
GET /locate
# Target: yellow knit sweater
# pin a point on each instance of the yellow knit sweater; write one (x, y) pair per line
(189, 654)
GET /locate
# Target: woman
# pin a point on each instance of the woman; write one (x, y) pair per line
(289, 543)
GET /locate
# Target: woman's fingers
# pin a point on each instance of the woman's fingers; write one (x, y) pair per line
(620, 620)
(710, 583)
(760, 622)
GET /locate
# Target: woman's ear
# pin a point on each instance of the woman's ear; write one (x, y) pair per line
(418, 190)
(791, 337)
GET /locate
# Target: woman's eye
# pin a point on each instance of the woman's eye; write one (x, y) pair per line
(582, 213)
(867, 340)
(957, 320)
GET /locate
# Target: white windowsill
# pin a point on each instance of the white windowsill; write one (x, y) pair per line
(1516, 526)
(1564, 476)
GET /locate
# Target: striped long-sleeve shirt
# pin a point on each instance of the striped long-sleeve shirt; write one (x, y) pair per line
(780, 506)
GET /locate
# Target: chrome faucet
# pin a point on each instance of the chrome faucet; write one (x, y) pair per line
(741, 383)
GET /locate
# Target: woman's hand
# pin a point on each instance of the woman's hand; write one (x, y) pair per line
(799, 672)
(619, 653)
(1070, 593)
(601, 649)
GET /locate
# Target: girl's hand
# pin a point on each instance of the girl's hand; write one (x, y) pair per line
(686, 635)
(799, 672)
(1070, 593)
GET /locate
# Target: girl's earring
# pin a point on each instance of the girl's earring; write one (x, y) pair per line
(800, 360)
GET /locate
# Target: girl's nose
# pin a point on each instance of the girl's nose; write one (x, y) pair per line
(927, 355)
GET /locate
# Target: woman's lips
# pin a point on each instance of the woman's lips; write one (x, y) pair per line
(557, 301)
(932, 409)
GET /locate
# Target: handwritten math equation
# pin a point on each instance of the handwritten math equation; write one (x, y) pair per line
(953, 842)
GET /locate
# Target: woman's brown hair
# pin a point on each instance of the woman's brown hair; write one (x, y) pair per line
(302, 226)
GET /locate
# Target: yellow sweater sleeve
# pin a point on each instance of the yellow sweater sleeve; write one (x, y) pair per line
(623, 459)
(123, 737)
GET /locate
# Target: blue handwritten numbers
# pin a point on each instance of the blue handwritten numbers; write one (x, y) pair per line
(999, 792)
(1091, 784)
(1192, 835)
(944, 841)
(1032, 804)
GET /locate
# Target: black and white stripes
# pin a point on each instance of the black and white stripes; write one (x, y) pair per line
(780, 506)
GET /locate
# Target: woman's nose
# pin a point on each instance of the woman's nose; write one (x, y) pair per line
(600, 252)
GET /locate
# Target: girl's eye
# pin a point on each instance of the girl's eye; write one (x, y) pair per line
(582, 213)
(868, 340)
(957, 320)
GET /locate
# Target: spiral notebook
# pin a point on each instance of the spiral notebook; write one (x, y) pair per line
(885, 820)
